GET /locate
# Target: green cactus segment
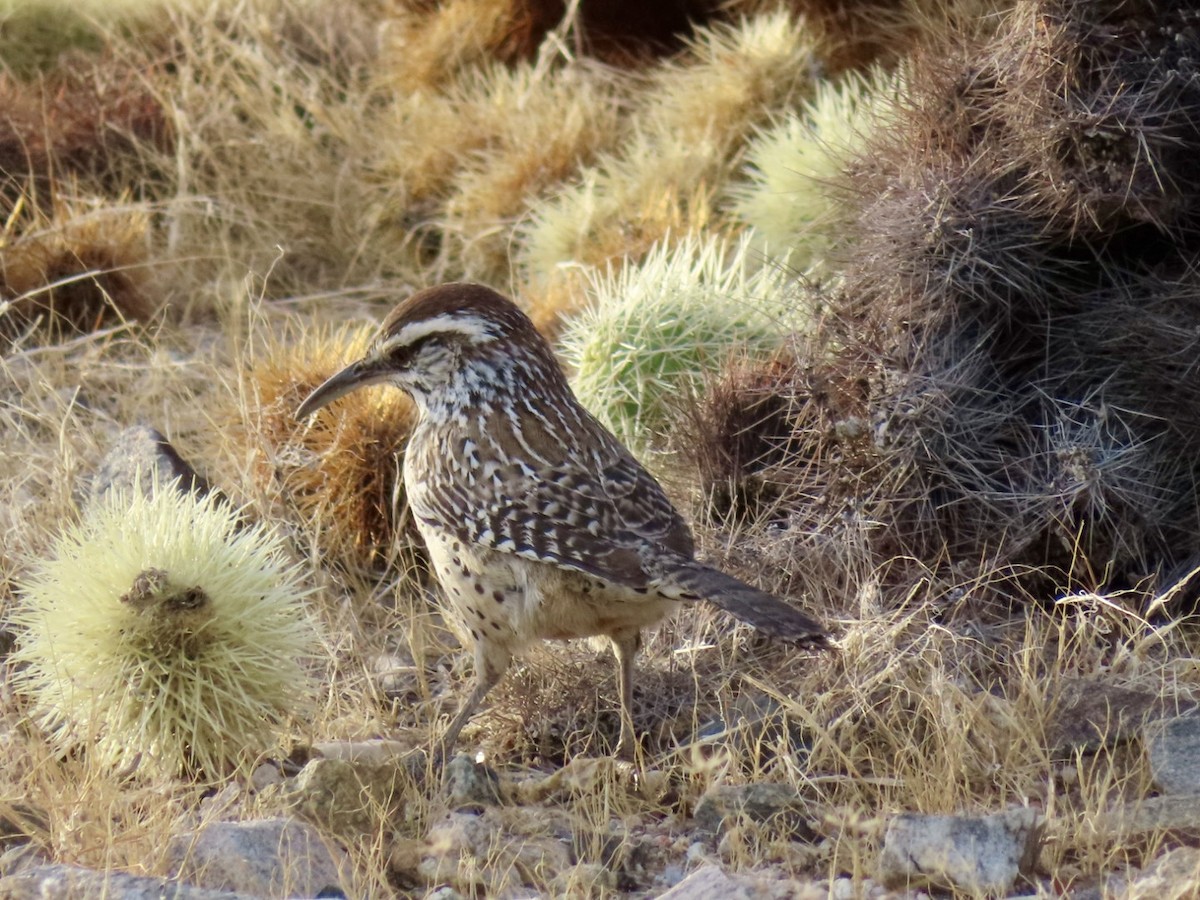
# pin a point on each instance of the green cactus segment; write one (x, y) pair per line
(790, 198)
(655, 331)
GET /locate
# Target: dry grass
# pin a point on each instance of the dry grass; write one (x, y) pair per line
(227, 196)
(83, 265)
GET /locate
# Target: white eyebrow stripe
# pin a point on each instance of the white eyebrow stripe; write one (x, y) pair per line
(466, 326)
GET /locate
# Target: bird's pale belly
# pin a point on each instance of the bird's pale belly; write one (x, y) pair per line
(506, 599)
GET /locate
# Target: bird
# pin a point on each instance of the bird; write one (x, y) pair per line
(538, 523)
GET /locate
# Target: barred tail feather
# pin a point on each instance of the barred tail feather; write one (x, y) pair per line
(764, 611)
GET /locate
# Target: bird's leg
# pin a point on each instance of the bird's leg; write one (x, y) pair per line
(491, 662)
(625, 648)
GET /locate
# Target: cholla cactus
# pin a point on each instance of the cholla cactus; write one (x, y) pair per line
(164, 633)
(656, 329)
(790, 199)
(692, 121)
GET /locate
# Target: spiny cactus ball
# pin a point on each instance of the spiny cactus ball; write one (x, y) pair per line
(655, 331)
(164, 634)
(788, 198)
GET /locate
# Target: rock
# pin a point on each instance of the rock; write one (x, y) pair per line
(454, 848)
(1110, 888)
(471, 783)
(493, 851)
(267, 858)
(137, 456)
(1174, 748)
(397, 676)
(584, 880)
(347, 798)
(708, 883)
(377, 752)
(755, 720)
(19, 821)
(1174, 875)
(767, 803)
(58, 882)
(1170, 813)
(982, 854)
(21, 857)
(218, 805)
(1093, 713)
(404, 862)
(265, 776)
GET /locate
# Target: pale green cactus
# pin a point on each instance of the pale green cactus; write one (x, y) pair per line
(164, 634)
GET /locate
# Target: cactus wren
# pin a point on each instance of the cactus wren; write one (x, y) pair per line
(539, 524)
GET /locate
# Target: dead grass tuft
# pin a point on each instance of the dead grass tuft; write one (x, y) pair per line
(91, 117)
(77, 267)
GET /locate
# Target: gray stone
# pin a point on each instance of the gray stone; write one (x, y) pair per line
(397, 676)
(1093, 713)
(20, 857)
(766, 803)
(708, 883)
(471, 783)
(1179, 812)
(265, 776)
(1174, 875)
(404, 862)
(378, 752)
(19, 821)
(1174, 747)
(983, 854)
(138, 456)
(346, 797)
(268, 858)
(755, 724)
(491, 852)
(57, 882)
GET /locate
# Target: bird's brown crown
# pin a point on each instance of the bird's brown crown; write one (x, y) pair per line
(457, 306)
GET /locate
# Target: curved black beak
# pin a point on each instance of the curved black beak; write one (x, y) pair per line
(357, 374)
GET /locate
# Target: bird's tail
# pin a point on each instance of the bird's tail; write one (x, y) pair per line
(766, 612)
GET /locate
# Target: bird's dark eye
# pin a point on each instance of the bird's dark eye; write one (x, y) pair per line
(402, 357)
